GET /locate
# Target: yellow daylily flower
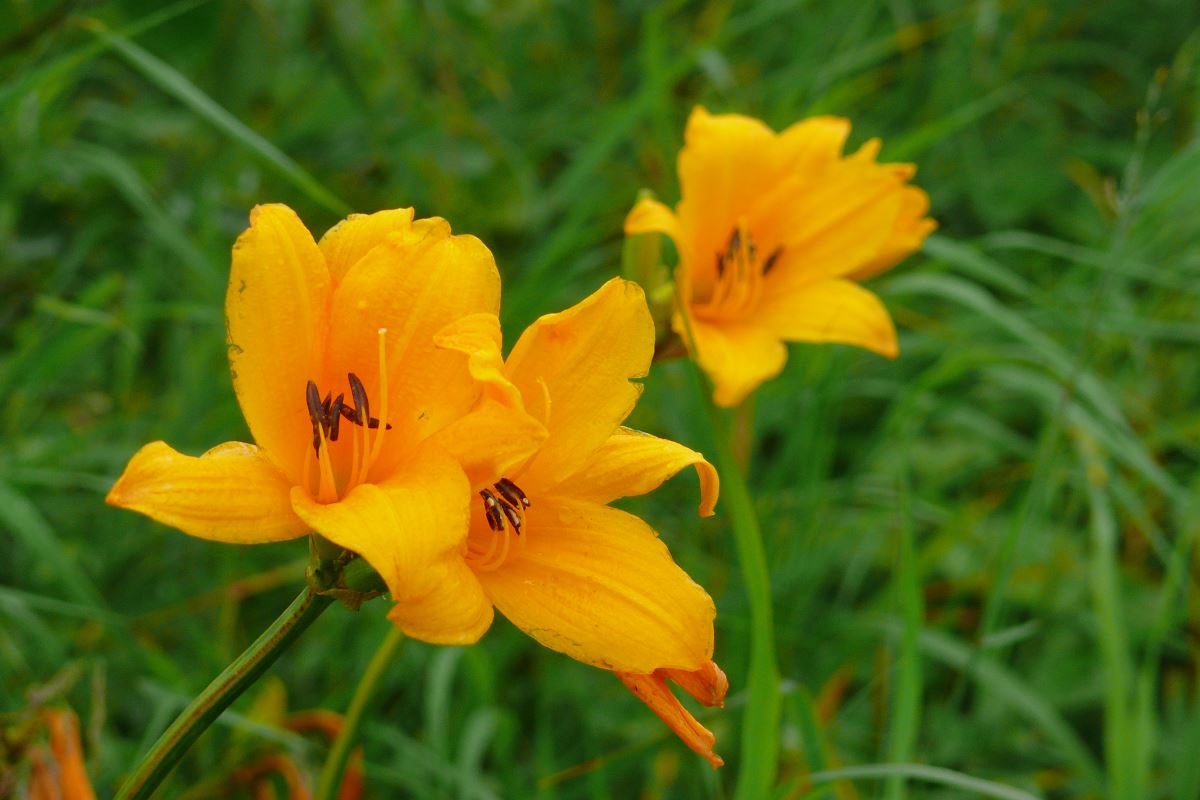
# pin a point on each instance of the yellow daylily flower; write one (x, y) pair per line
(331, 346)
(773, 230)
(544, 548)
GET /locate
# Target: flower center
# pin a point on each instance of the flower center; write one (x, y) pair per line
(504, 507)
(740, 275)
(329, 472)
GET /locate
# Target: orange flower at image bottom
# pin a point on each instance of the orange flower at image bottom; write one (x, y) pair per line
(773, 231)
(368, 368)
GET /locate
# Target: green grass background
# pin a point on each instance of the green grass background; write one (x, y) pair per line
(1037, 442)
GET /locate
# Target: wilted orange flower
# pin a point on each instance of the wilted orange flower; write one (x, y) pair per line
(545, 549)
(772, 232)
(334, 365)
(60, 774)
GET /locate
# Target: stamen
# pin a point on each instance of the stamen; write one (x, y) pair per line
(362, 411)
(512, 493)
(327, 486)
(316, 412)
(491, 510)
(335, 416)
(771, 259)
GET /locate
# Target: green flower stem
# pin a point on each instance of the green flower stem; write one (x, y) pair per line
(219, 694)
(330, 780)
(760, 729)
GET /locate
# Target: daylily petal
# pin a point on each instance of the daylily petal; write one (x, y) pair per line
(497, 433)
(277, 318)
(830, 311)
(811, 144)
(707, 684)
(68, 754)
(232, 493)
(598, 584)
(651, 216)
(737, 356)
(652, 690)
(907, 235)
(355, 236)
(632, 463)
(454, 611)
(412, 285)
(828, 227)
(574, 369)
(405, 526)
(727, 163)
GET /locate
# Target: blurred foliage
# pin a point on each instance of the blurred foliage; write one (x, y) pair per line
(1040, 433)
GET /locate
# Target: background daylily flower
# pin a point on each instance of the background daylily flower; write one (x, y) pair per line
(587, 580)
(331, 347)
(772, 232)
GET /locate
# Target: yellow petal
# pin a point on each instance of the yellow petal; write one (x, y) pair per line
(653, 691)
(829, 227)
(454, 611)
(651, 216)
(830, 311)
(727, 163)
(412, 285)
(277, 320)
(907, 234)
(631, 463)
(597, 584)
(352, 238)
(405, 527)
(737, 356)
(232, 493)
(574, 370)
(497, 433)
(812, 144)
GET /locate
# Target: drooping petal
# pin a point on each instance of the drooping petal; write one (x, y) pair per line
(652, 690)
(68, 754)
(737, 356)
(497, 433)
(411, 286)
(632, 463)
(454, 611)
(707, 684)
(352, 238)
(651, 216)
(406, 527)
(597, 584)
(277, 319)
(830, 311)
(232, 493)
(574, 370)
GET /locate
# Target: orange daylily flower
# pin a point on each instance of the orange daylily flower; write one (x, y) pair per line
(580, 577)
(773, 231)
(331, 346)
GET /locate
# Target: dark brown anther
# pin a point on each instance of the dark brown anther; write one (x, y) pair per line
(316, 413)
(374, 423)
(514, 516)
(362, 412)
(771, 259)
(491, 509)
(512, 493)
(334, 415)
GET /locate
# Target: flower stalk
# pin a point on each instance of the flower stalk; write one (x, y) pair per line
(218, 695)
